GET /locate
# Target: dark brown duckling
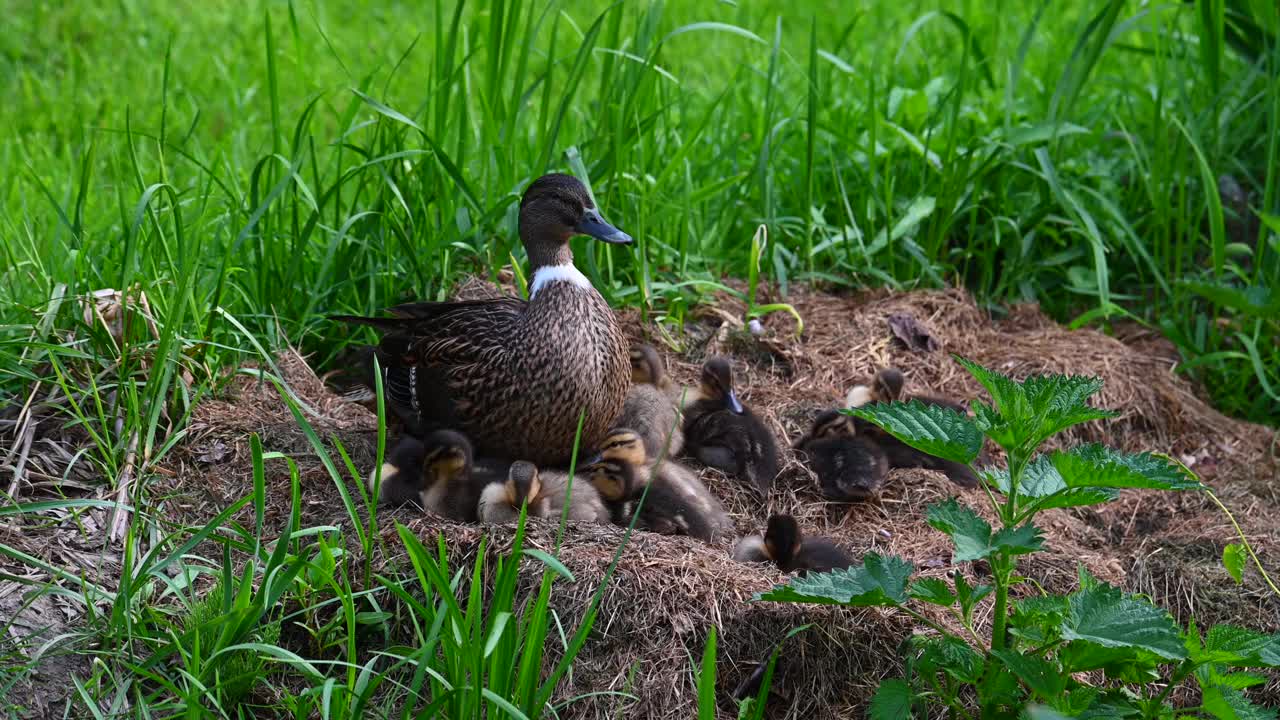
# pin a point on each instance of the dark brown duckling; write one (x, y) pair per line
(675, 504)
(650, 408)
(723, 434)
(545, 493)
(887, 386)
(503, 369)
(785, 546)
(850, 468)
(434, 474)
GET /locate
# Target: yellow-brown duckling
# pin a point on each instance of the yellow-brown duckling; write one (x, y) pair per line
(887, 386)
(785, 546)
(675, 502)
(650, 408)
(545, 493)
(850, 468)
(433, 473)
(722, 433)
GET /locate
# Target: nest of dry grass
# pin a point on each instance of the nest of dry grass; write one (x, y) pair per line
(669, 591)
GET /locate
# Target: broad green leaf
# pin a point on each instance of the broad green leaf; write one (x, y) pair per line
(934, 429)
(972, 535)
(1039, 479)
(1105, 616)
(1239, 647)
(1021, 540)
(969, 532)
(932, 591)
(1007, 396)
(878, 581)
(1233, 561)
(1044, 678)
(892, 701)
(1043, 712)
(1125, 664)
(950, 655)
(1075, 497)
(1240, 680)
(1026, 414)
(1096, 465)
(970, 595)
(1230, 704)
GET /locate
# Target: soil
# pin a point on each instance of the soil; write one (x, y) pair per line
(668, 591)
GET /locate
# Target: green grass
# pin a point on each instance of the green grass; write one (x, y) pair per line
(254, 168)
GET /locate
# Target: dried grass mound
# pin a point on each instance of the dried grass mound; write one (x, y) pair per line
(669, 591)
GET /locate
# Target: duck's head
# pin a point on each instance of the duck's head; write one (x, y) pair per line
(615, 480)
(523, 484)
(622, 445)
(555, 207)
(646, 366)
(716, 384)
(782, 538)
(448, 456)
(829, 424)
(886, 386)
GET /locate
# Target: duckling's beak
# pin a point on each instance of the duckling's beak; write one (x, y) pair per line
(589, 461)
(731, 401)
(595, 226)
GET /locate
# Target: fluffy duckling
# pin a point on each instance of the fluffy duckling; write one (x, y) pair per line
(723, 434)
(434, 474)
(784, 545)
(849, 468)
(676, 503)
(887, 386)
(650, 407)
(545, 494)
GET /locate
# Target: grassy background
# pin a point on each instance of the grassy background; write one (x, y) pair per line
(252, 169)
(278, 163)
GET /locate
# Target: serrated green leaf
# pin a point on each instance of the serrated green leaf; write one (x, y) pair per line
(1023, 415)
(1096, 465)
(1043, 712)
(1230, 704)
(1238, 647)
(1044, 678)
(892, 701)
(1105, 616)
(878, 581)
(1233, 561)
(970, 595)
(1240, 680)
(952, 656)
(1018, 541)
(933, 591)
(1125, 664)
(1074, 497)
(934, 429)
(969, 532)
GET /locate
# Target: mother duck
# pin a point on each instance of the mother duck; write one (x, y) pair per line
(514, 375)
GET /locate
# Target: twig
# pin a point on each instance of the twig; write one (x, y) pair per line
(120, 516)
(29, 434)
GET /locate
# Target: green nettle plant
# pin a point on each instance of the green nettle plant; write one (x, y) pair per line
(1040, 643)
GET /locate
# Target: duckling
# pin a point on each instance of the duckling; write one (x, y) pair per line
(434, 474)
(545, 494)
(785, 546)
(850, 468)
(723, 434)
(677, 504)
(650, 407)
(503, 369)
(887, 386)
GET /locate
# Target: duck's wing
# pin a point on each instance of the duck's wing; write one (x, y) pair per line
(446, 333)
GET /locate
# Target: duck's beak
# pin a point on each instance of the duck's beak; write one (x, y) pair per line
(595, 226)
(731, 401)
(589, 461)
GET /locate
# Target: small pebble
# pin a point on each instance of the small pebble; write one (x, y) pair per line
(756, 327)
(885, 534)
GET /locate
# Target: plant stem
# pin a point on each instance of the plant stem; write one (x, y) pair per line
(1243, 541)
(999, 566)
(1186, 668)
(926, 621)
